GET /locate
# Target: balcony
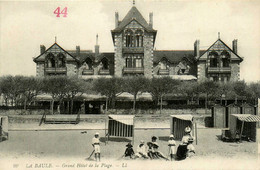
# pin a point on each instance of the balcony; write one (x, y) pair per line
(88, 72)
(219, 69)
(139, 70)
(104, 72)
(163, 72)
(56, 70)
(133, 49)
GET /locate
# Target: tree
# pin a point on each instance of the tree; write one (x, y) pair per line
(56, 86)
(159, 87)
(134, 85)
(32, 86)
(11, 87)
(253, 90)
(211, 91)
(75, 87)
(110, 88)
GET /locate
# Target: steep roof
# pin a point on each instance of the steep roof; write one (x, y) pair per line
(219, 40)
(174, 56)
(133, 14)
(55, 44)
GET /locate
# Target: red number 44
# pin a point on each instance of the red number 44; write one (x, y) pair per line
(58, 13)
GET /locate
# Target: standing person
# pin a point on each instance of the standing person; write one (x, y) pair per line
(96, 145)
(157, 153)
(171, 144)
(141, 150)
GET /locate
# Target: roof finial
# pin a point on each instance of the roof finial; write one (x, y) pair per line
(97, 39)
(133, 2)
(55, 39)
(218, 35)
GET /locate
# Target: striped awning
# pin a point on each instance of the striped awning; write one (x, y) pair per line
(125, 119)
(247, 117)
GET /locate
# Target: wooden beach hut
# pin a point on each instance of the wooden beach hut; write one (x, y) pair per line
(178, 123)
(120, 126)
(3, 128)
(245, 124)
(247, 109)
(219, 116)
(232, 109)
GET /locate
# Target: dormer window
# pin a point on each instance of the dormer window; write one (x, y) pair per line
(88, 64)
(105, 65)
(163, 65)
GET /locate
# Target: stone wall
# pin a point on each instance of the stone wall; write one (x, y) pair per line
(148, 55)
(235, 71)
(201, 70)
(71, 69)
(119, 60)
(40, 69)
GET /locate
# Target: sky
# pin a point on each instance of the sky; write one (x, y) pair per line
(25, 25)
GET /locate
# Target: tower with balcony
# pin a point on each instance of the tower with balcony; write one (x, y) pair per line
(133, 40)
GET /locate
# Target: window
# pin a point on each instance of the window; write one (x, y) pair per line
(134, 61)
(225, 58)
(163, 65)
(213, 57)
(61, 60)
(50, 60)
(105, 65)
(133, 39)
(88, 64)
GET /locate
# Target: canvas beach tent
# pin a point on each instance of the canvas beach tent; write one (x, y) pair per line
(120, 126)
(3, 128)
(245, 124)
(179, 122)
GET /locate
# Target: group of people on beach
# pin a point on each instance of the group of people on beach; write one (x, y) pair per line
(151, 149)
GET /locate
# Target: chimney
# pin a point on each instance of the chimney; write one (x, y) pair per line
(116, 19)
(234, 43)
(96, 46)
(197, 48)
(42, 48)
(77, 51)
(151, 19)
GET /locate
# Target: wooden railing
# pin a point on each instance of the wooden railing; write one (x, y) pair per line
(163, 72)
(104, 72)
(88, 72)
(219, 69)
(55, 69)
(138, 70)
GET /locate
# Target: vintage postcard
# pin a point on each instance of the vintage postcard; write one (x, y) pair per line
(129, 84)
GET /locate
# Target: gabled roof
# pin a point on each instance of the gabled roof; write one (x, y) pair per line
(36, 59)
(173, 56)
(219, 40)
(134, 14)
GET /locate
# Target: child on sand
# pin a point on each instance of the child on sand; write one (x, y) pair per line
(129, 152)
(171, 144)
(96, 145)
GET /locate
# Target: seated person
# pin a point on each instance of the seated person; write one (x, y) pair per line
(129, 152)
(150, 151)
(155, 147)
(141, 150)
(190, 148)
